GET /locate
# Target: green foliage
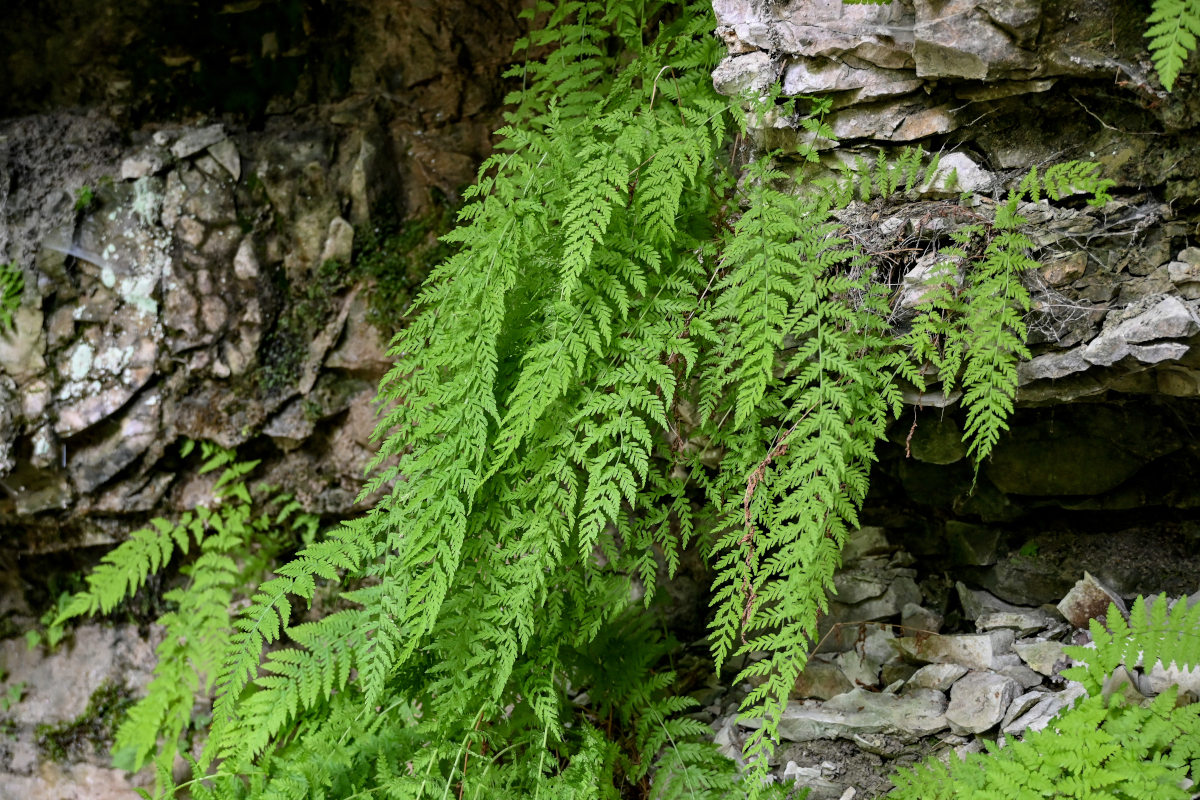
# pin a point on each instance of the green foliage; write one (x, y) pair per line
(615, 304)
(1173, 28)
(234, 546)
(1101, 747)
(85, 198)
(12, 286)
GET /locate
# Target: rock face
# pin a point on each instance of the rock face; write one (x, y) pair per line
(166, 262)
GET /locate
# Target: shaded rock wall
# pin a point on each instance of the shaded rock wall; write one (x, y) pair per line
(198, 277)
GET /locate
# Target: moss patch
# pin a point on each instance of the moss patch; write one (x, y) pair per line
(92, 732)
(396, 256)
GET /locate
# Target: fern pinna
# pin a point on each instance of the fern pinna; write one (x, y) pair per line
(628, 346)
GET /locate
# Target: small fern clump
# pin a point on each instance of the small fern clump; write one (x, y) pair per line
(1102, 747)
(234, 546)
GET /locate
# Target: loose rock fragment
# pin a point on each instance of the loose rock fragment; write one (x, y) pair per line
(978, 701)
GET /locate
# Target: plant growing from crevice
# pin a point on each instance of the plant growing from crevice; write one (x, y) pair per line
(538, 468)
(12, 288)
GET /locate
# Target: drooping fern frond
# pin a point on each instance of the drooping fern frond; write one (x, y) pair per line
(12, 287)
(1173, 26)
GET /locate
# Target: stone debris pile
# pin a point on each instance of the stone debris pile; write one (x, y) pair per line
(886, 679)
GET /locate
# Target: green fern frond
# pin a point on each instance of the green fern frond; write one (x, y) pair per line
(12, 288)
(1173, 26)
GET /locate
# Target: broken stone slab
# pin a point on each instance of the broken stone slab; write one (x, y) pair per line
(918, 619)
(975, 40)
(898, 121)
(978, 701)
(976, 602)
(1159, 678)
(1010, 666)
(1168, 318)
(1044, 710)
(96, 464)
(809, 76)
(1051, 366)
(146, 163)
(957, 173)
(822, 679)
(875, 34)
(1043, 656)
(1020, 705)
(859, 668)
(866, 541)
(858, 712)
(854, 587)
(1089, 599)
(753, 72)
(939, 677)
(225, 153)
(1023, 622)
(811, 778)
(976, 651)
(196, 140)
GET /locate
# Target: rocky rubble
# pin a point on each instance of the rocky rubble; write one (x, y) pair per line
(898, 692)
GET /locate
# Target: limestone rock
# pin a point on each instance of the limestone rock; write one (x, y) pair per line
(751, 72)
(975, 651)
(1044, 709)
(225, 153)
(918, 619)
(822, 679)
(196, 140)
(1168, 318)
(936, 676)
(1089, 599)
(857, 712)
(978, 701)
(1043, 656)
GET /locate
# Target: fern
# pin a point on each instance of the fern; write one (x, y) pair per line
(197, 629)
(12, 287)
(617, 308)
(1173, 28)
(1099, 747)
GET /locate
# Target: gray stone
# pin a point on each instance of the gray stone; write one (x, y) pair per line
(866, 541)
(859, 668)
(853, 587)
(936, 676)
(196, 140)
(822, 678)
(1023, 622)
(94, 465)
(144, 164)
(975, 40)
(866, 81)
(972, 545)
(1043, 656)
(225, 153)
(857, 712)
(1020, 705)
(978, 702)
(898, 121)
(975, 651)
(1044, 710)
(1089, 599)
(339, 242)
(245, 263)
(753, 72)
(291, 426)
(915, 619)
(976, 602)
(1009, 665)
(1168, 318)
(957, 173)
